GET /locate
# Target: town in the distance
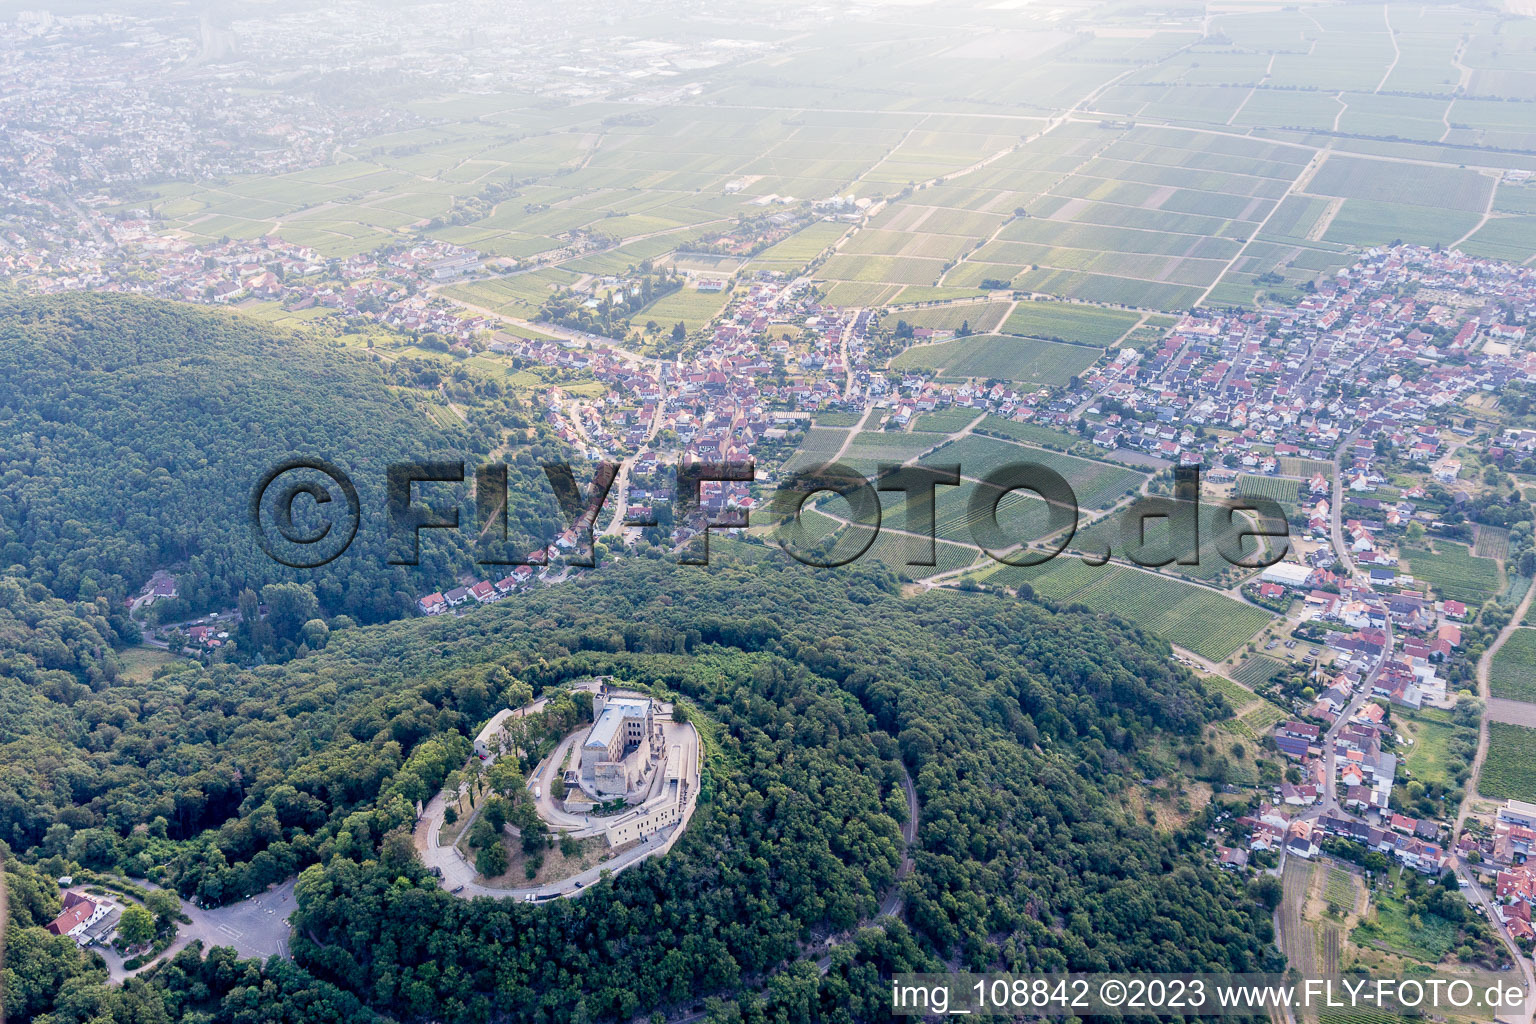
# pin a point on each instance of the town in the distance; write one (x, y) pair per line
(1375, 380)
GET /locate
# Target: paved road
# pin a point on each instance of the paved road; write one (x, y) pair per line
(1336, 525)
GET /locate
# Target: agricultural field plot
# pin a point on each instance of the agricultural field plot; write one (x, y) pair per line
(979, 317)
(945, 421)
(1056, 580)
(1192, 617)
(1297, 936)
(1257, 721)
(818, 446)
(1158, 541)
(1021, 517)
(1195, 618)
(1096, 484)
(1504, 238)
(517, 294)
(686, 305)
(882, 269)
(889, 446)
(1385, 181)
(906, 243)
(1022, 360)
(1296, 217)
(1028, 432)
(897, 553)
(802, 246)
(1364, 223)
(1238, 698)
(1339, 890)
(1258, 670)
(1277, 488)
(1384, 201)
(1140, 294)
(1291, 465)
(1510, 768)
(1515, 199)
(1057, 321)
(830, 540)
(1404, 117)
(1454, 572)
(1513, 673)
(1289, 108)
(1492, 542)
(861, 293)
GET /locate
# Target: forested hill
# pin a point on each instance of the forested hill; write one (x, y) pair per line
(1024, 729)
(135, 431)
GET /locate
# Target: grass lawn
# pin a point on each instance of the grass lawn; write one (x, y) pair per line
(1428, 759)
(1393, 928)
(139, 663)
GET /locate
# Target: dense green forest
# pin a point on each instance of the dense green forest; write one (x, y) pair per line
(1022, 726)
(136, 431)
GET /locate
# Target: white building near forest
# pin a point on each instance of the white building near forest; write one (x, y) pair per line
(617, 754)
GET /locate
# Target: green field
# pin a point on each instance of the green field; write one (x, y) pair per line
(1339, 890)
(1510, 768)
(1028, 432)
(1057, 321)
(1096, 484)
(1022, 360)
(892, 549)
(978, 317)
(1153, 539)
(687, 305)
(817, 447)
(1513, 673)
(1257, 671)
(1453, 572)
(1429, 758)
(1383, 181)
(1492, 542)
(1285, 491)
(1425, 937)
(1193, 617)
(945, 421)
